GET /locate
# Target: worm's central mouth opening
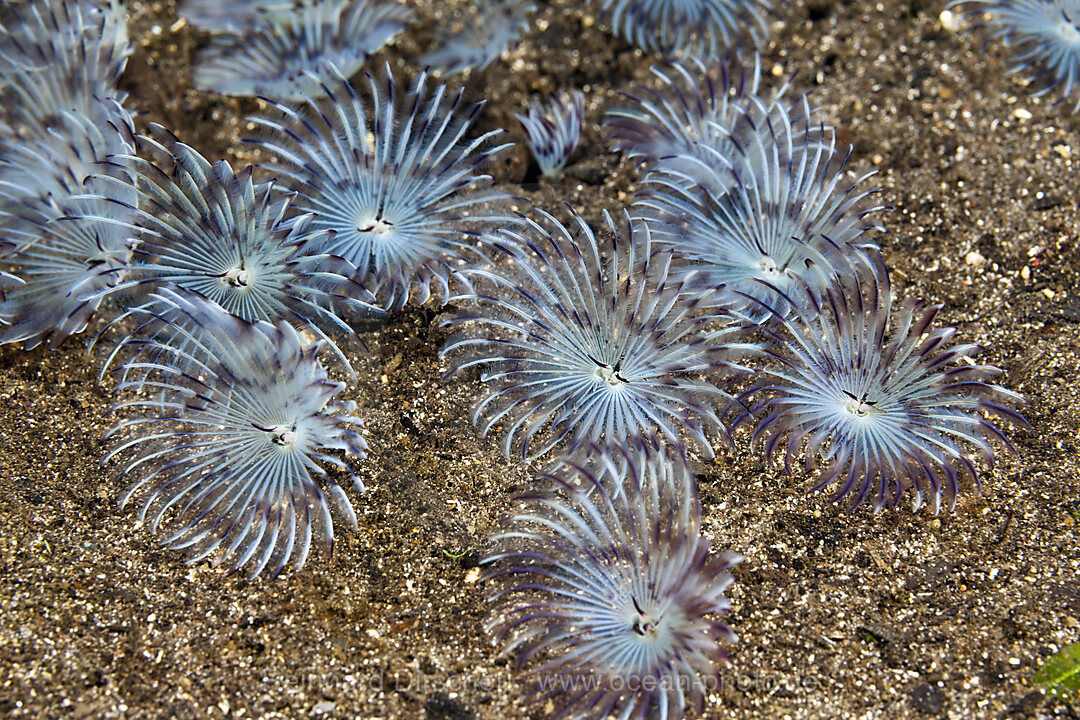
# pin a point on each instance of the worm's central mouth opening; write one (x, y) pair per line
(237, 277)
(375, 224)
(643, 624)
(859, 407)
(767, 268)
(611, 374)
(283, 435)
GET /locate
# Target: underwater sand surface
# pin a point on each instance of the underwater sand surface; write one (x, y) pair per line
(902, 615)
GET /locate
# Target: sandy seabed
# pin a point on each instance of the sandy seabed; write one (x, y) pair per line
(839, 615)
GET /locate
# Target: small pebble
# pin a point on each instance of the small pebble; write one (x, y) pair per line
(949, 20)
(927, 698)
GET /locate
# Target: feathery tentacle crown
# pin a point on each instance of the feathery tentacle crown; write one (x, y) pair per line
(61, 56)
(873, 392)
(235, 16)
(585, 340)
(791, 202)
(482, 39)
(65, 245)
(227, 458)
(290, 57)
(394, 176)
(59, 63)
(700, 116)
(607, 592)
(1045, 36)
(552, 130)
(207, 229)
(52, 164)
(700, 28)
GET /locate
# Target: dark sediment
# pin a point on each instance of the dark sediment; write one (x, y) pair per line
(900, 615)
